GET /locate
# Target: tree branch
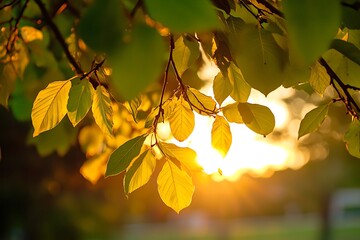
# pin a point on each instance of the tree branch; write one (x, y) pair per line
(63, 44)
(350, 104)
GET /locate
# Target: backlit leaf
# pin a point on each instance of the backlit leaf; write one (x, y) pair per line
(261, 61)
(139, 62)
(175, 187)
(221, 87)
(185, 155)
(241, 89)
(102, 110)
(319, 78)
(348, 49)
(94, 168)
(123, 155)
(201, 103)
(232, 113)
(221, 137)
(352, 139)
(50, 106)
(182, 120)
(133, 106)
(185, 54)
(185, 15)
(140, 172)
(313, 120)
(80, 101)
(311, 25)
(30, 34)
(257, 117)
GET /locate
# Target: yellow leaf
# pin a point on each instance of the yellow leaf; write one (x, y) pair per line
(221, 87)
(50, 106)
(232, 113)
(185, 155)
(319, 78)
(182, 121)
(201, 103)
(140, 171)
(175, 187)
(30, 34)
(102, 110)
(95, 167)
(221, 137)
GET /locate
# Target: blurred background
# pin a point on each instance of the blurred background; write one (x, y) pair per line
(280, 189)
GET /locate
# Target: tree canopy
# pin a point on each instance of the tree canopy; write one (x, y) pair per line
(108, 73)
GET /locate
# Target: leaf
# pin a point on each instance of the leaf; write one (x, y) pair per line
(182, 120)
(313, 120)
(200, 102)
(122, 156)
(80, 101)
(352, 138)
(101, 26)
(139, 62)
(232, 113)
(102, 110)
(261, 61)
(319, 78)
(311, 25)
(50, 106)
(221, 88)
(140, 172)
(60, 139)
(94, 168)
(185, 155)
(185, 15)
(221, 137)
(348, 49)
(133, 106)
(185, 54)
(175, 187)
(350, 16)
(30, 34)
(241, 89)
(258, 118)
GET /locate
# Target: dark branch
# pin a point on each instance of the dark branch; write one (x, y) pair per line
(138, 5)
(12, 3)
(273, 9)
(348, 100)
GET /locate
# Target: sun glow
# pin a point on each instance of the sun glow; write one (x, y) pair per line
(250, 153)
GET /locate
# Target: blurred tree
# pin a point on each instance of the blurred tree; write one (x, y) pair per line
(117, 69)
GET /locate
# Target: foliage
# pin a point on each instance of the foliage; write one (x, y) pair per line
(127, 64)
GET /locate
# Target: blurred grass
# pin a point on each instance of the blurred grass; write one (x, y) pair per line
(254, 229)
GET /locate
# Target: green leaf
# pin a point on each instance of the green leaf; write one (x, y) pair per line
(19, 103)
(319, 78)
(185, 54)
(313, 120)
(261, 61)
(221, 88)
(140, 172)
(102, 110)
(352, 138)
(348, 49)
(60, 139)
(350, 16)
(122, 156)
(185, 15)
(50, 106)
(80, 101)
(232, 113)
(200, 102)
(101, 26)
(139, 62)
(258, 118)
(175, 187)
(241, 89)
(221, 137)
(185, 155)
(311, 25)
(182, 120)
(133, 106)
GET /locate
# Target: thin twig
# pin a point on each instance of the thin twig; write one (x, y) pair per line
(136, 7)
(348, 100)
